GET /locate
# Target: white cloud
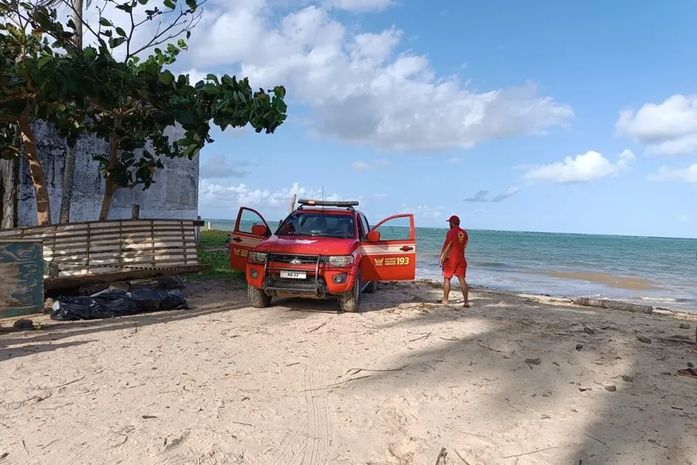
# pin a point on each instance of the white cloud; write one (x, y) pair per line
(427, 211)
(455, 161)
(361, 165)
(585, 167)
(509, 192)
(688, 174)
(625, 158)
(195, 75)
(483, 195)
(360, 5)
(242, 195)
(479, 196)
(359, 86)
(669, 127)
(217, 166)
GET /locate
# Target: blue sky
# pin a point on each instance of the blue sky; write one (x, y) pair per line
(573, 118)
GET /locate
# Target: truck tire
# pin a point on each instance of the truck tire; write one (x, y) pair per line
(350, 301)
(371, 287)
(257, 297)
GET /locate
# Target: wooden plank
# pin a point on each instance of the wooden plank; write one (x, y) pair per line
(105, 236)
(114, 244)
(79, 223)
(76, 281)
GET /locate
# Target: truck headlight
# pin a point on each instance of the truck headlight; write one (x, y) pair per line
(340, 260)
(257, 257)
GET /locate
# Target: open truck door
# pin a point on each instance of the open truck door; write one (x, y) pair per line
(250, 230)
(389, 250)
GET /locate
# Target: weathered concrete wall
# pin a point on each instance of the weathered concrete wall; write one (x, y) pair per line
(173, 195)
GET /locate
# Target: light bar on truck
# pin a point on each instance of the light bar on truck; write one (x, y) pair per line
(328, 203)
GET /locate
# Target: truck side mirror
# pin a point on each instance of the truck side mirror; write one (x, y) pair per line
(373, 236)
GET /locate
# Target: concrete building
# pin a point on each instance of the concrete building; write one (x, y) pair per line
(174, 194)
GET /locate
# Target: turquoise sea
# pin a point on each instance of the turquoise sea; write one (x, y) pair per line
(657, 271)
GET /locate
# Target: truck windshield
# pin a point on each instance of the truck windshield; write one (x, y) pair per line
(317, 224)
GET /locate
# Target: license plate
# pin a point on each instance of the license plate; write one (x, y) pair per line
(294, 274)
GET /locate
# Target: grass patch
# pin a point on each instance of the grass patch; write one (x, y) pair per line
(213, 253)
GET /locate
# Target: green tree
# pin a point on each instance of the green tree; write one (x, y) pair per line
(128, 102)
(23, 68)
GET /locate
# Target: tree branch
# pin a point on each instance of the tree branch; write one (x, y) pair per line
(130, 34)
(164, 35)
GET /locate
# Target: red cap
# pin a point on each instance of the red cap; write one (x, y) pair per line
(454, 219)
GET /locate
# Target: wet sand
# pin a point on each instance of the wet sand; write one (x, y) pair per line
(611, 280)
(512, 380)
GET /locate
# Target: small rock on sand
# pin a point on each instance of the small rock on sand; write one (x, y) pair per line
(628, 379)
(643, 339)
(533, 361)
(684, 326)
(611, 388)
(579, 346)
(23, 323)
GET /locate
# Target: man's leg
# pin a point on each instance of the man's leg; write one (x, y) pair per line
(465, 290)
(446, 289)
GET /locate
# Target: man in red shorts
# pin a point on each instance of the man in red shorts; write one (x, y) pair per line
(452, 259)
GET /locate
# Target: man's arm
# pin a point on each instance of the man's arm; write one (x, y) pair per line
(446, 251)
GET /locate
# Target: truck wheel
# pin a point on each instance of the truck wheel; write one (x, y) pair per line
(350, 301)
(371, 287)
(257, 297)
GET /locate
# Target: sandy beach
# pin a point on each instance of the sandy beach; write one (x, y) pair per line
(512, 380)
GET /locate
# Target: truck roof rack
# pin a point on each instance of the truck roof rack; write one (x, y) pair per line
(328, 203)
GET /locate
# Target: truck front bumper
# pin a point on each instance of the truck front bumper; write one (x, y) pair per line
(318, 284)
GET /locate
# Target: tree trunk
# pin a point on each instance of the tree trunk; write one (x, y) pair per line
(77, 19)
(36, 172)
(8, 187)
(68, 183)
(109, 185)
(109, 189)
(69, 163)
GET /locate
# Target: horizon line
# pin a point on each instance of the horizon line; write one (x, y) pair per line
(646, 236)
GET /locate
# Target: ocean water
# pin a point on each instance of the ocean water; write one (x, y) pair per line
(657, 271)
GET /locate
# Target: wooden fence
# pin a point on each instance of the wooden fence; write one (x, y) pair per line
(91, 249)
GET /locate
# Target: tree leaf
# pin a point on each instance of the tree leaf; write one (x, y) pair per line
(166, 78)
(116, 41)
(125, 7)
(43, 61)
(279, 91)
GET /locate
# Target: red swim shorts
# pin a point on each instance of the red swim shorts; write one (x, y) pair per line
(458, 269)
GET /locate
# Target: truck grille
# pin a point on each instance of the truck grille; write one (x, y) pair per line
(296, 259)
(294, 285)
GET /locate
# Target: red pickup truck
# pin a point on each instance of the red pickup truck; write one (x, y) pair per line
(322, 249)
